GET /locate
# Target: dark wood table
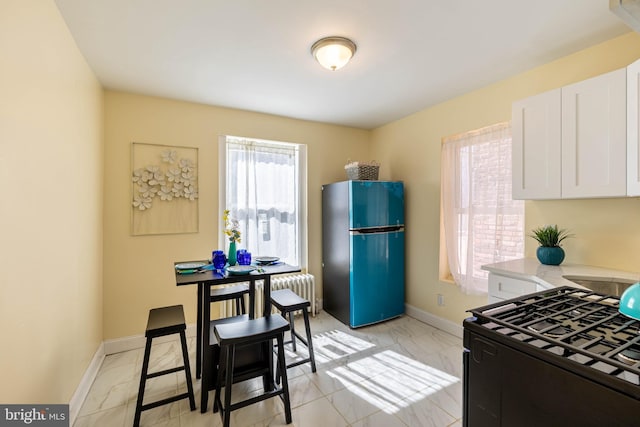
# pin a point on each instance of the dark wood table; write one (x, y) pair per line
(205, 280)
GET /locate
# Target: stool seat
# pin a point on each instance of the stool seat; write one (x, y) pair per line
(164, 321)
(213, 340)
(251, 331)
(229, 292)
(289, 300)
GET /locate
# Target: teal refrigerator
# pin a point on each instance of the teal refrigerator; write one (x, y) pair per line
(363, 273)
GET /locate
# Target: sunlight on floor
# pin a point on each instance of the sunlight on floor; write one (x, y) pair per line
(337, 344)
(386, 379)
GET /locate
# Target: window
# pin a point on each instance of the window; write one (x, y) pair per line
(263, 184)
(482, 224)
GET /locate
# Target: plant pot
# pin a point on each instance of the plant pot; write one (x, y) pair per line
(550, 255)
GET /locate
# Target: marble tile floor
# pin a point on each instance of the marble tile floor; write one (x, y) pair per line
(398, 373)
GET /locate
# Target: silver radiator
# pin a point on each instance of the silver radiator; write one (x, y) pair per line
(302, 284)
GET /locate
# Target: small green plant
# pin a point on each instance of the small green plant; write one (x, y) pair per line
(550, 235)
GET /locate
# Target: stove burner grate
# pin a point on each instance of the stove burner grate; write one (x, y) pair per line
(585, 324)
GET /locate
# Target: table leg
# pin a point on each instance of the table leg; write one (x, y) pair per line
(199, 330)
(267, 296)
(267, 312)
(207, 370)
(252, 298)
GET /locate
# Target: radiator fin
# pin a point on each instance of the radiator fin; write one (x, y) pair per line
(302, 284)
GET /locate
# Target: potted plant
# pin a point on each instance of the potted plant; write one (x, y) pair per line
(549, 237)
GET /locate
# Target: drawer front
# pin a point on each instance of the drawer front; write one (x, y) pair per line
(501, 287)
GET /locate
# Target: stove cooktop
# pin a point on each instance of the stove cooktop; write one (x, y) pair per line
(576, 325)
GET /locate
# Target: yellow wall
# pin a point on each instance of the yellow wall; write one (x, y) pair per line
(607, 230)
(138, 269)
(51, 210)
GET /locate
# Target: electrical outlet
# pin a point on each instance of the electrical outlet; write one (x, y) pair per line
(440, 300)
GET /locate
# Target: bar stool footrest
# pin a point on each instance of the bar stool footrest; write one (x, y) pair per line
(266, 395)
(298, 363)
(165, 372)
(171, 399)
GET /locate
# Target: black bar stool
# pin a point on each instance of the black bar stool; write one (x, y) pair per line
(237, 336)
(164, 321)
(288, 302)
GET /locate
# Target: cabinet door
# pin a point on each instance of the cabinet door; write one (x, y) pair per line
(502, 287)
(633, 131)
(536, 155)
(594, 140)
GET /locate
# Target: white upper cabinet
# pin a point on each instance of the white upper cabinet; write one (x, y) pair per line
(536, 151)
(594, 137)
(633, 132)
(573, 142)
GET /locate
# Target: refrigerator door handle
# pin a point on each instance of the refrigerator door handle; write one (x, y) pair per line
(374, 230)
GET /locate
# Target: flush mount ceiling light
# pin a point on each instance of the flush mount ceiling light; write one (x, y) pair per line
(333, 53)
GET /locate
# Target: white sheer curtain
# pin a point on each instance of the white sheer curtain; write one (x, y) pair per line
(262, 193)
(482, 223)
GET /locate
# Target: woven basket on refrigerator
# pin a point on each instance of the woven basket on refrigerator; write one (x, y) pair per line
(364, 171)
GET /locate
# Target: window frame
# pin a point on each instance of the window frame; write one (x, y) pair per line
(302, 208)
(445, 274)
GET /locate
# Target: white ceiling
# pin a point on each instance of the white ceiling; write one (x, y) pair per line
(254, 54)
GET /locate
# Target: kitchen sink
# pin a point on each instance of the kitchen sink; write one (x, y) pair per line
(609, 286)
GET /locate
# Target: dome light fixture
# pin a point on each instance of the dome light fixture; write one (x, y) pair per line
(333, 52)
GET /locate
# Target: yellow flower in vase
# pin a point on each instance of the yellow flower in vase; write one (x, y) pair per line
(232, 230)
(231, 227)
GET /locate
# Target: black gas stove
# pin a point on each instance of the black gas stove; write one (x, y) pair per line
(560, 357)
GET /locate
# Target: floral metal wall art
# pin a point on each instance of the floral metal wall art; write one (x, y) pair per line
(164, 184)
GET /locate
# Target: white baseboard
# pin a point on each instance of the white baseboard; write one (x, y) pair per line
(435, 321)
(85, 384)
(133, 342)
(119, 345)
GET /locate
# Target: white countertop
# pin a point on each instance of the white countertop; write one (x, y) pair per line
(550, 276)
